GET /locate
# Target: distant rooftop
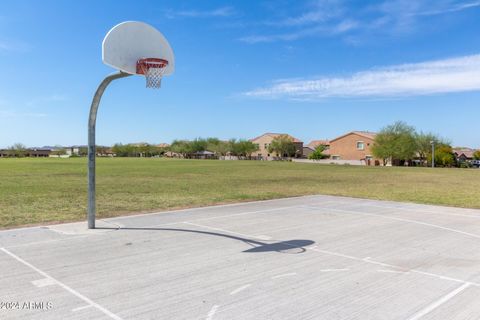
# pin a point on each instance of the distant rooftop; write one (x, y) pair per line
(274, 135)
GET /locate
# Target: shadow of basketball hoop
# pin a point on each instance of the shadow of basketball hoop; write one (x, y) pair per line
(289, 246)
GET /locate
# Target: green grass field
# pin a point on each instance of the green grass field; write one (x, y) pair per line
(34, 191)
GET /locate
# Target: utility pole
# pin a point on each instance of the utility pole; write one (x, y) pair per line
(433, 153)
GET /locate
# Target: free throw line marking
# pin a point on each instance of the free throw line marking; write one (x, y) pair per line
(366, 260)
(64, 286)
(397, 219)
(439, 302)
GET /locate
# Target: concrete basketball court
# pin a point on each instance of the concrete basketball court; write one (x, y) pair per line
(314, 257)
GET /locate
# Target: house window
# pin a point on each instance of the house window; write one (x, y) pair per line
(360, 145)
(335, 157)
(266, 146)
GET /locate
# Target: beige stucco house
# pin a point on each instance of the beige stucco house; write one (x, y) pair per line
(355, 145)
(265, 140)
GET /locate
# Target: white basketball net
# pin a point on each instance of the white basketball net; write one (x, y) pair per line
(154, 77)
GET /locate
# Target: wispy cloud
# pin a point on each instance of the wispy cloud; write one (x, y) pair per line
(218, 12)
(322, 18)
(427, 7)
(404, 16)
(432, 77)
(316, 12)
(17, 114)
(46, 100)
(331, 30)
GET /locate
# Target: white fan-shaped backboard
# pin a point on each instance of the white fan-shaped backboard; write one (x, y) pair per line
(130, 41)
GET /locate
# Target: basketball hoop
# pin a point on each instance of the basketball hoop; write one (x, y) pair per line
(153, 69)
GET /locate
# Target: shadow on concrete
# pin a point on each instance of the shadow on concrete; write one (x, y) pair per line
(289, 246)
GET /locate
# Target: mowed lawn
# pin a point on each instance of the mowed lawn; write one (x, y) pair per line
(34, 191)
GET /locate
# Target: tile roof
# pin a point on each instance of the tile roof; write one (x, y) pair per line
(465, 151)
(316, 143)
(365, 134)
(274, 135)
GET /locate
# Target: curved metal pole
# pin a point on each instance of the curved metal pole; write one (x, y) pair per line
(92, 119)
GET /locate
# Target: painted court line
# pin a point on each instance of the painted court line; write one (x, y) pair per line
(64, 286)
(212, 312)
(391, 271)
(240, 289)
(244, 213)
(46, 241)
(82, 308)
(421, 211)
(43, 282)
(222, 230)
(334, 270)
(261, 237)
(366, 260)
(398, 219)
(439, 302)
(291, 274)
(241, 204)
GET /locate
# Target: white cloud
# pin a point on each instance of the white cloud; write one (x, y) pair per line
(317, 12)
(426, 78)
(331, 30)
(219, 12)
(426, 8)
(323, 18)
(403, 16)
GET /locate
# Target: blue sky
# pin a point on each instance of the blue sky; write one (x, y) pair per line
(314, 69)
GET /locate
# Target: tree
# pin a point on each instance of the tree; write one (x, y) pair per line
(198, 145)
(282, 145)
(424, 145)
(247, 148)
(120, 150)
(242, 148)
(18, 150)
(217, 146)
(318, 153)
(181, 147)
(395, 142)
(476, 155)
(444, 156)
